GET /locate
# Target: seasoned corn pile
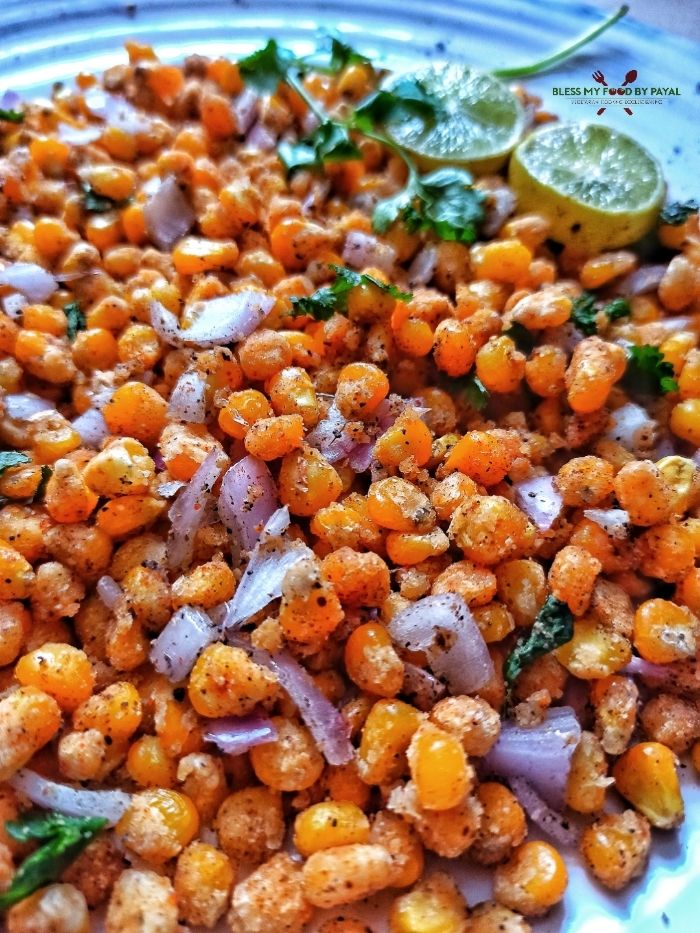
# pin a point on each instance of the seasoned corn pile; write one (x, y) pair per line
(285, 579)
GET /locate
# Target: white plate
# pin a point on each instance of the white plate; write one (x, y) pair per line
(50, 40)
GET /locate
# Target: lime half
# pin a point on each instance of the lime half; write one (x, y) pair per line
(479, 123)
(598, 188)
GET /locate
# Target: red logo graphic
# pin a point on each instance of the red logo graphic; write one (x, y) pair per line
(630, 78)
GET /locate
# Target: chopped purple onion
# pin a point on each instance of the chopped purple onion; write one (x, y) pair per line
(177, 647)
(168, 214)
(540, 500)
(73, 801)
(189, 508)
(247, 499)
(235, 735)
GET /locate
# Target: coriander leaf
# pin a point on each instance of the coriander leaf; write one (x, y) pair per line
(46, 474)
(265, 68)
(332, 56)
(325, 302)
(329, 142)
(470, 390)
(677, 212)
(76, 320)
(12, 458)
(64, 838)
(553, 627)
(649, 372)
(99, 203)
(523, 338)
(407, 95)
(584, 314)
(447, 205)
(12, 116)
(617, 308)
(388, 210)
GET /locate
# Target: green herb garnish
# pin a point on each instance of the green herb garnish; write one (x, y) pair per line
(330, 142)
(470, 390)
(584, 313)
(63, 837)
(75, 318)
(553, 627)
(677, 212)
(407, 94)
(98, 203)
(649, 372)
(332, 299)
(443, 202)
(11, 116)
(12, 458)
(521, 71)
(617, 308)
(332, 56)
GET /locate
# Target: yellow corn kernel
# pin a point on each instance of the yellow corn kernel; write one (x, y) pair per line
(328, 824)
(122, 468)
(68, 497)
(116, 182)
(386, 735)
(193, 255)
(16, 574)
(647, 775)
(433, 906)
(501, 261)
(439, 768)
(128, 514)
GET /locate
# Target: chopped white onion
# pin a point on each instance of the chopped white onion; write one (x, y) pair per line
(109, 591)
(177, 647)
(325, 723)
(79, 135)
(21, 406)
(116, 111)
(541, 753)
(500, 204)
(546, 819)
(245, 109)
(261, 138)
(329, 436)
(632, 427)
(641, 668)
(614, 522)
(445, 629)
(33, 281)
(188, 399)
(540, 500)
(362, 250)
(187, 512)
(92, 427)
(422, 269)
(262, 581)
(642, 280)
(220, 320)
(111, 805)
(168, 214)
(421, 686)
(247, 499)
(235, 735)
(361, 456)
(13, 305)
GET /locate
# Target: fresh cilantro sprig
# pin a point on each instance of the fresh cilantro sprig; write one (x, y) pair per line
(332, 299)
(468, 389)
(332, 56)
(522, 71)
(63, 838)
(99, 203)
(677, 212)
(46, 474)
(649, 372)
(553, 627)
(442, 202)
(11, 116)
(12, 458)
(75, 318)
(584, 313)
